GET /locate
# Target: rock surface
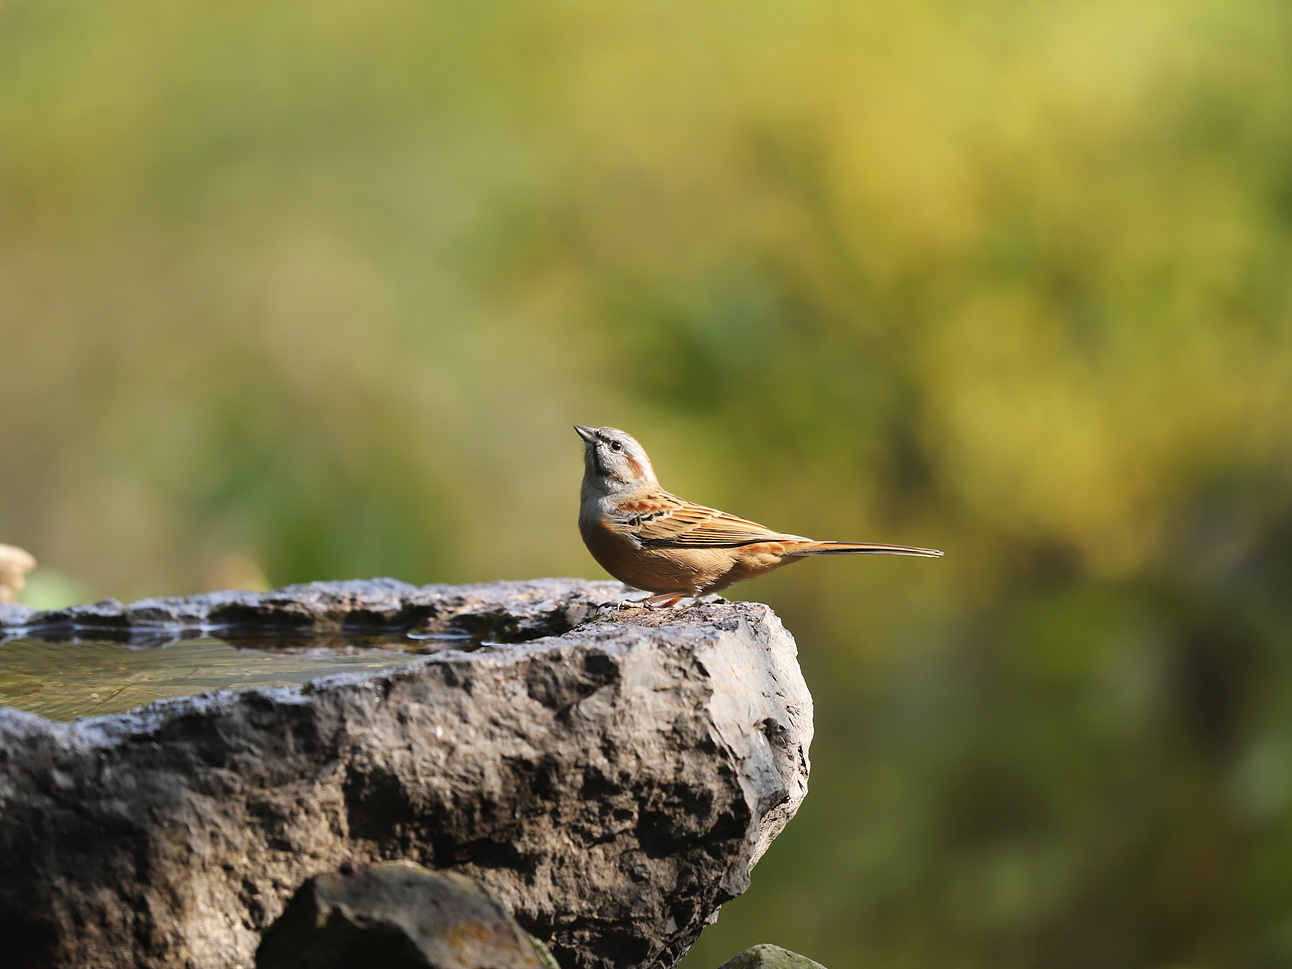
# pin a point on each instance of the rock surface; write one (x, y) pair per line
(770, 957)
(611, 778)
(397, 915)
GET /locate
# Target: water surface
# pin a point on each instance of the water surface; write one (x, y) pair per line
(67, 680)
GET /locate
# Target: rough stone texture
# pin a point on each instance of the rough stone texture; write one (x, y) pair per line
(770, 957)
(397, 915)
(613, 781)
(502, 611)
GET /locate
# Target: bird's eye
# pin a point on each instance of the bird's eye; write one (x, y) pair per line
(616, 446)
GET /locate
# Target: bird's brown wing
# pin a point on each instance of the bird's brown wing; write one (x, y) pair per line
(662, 520)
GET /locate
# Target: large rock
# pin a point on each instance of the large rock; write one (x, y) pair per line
(612, 778)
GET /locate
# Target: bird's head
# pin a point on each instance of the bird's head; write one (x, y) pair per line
(614, 460)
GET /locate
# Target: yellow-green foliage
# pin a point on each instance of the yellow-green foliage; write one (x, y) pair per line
(318, 288)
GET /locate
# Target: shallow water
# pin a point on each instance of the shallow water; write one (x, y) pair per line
(64, 681)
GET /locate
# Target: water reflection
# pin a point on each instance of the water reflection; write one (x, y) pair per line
(66, 680)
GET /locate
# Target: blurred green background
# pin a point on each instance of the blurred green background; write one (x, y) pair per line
(296, 291)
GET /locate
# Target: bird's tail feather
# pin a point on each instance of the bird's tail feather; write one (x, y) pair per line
(861, 548)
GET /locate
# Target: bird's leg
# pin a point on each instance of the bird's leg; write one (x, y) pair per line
(616, 605)
(664, 600)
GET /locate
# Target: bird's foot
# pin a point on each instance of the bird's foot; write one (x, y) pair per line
(618, 605)
(650, 602)
(664, 601)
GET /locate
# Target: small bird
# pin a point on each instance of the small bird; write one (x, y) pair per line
(656, 541)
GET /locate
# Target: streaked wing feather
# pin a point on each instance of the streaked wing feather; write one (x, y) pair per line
(673, 522)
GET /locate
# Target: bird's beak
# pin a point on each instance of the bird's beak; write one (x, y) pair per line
(587, 433)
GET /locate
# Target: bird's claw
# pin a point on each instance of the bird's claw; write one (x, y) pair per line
(618, 605)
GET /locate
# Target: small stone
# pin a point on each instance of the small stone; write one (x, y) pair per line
(770, 957)
(15, 563)
(397, 915)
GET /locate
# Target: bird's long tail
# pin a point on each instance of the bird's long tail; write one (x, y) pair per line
(861, 548)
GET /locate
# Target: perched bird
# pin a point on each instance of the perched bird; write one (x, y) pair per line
(653, 540)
